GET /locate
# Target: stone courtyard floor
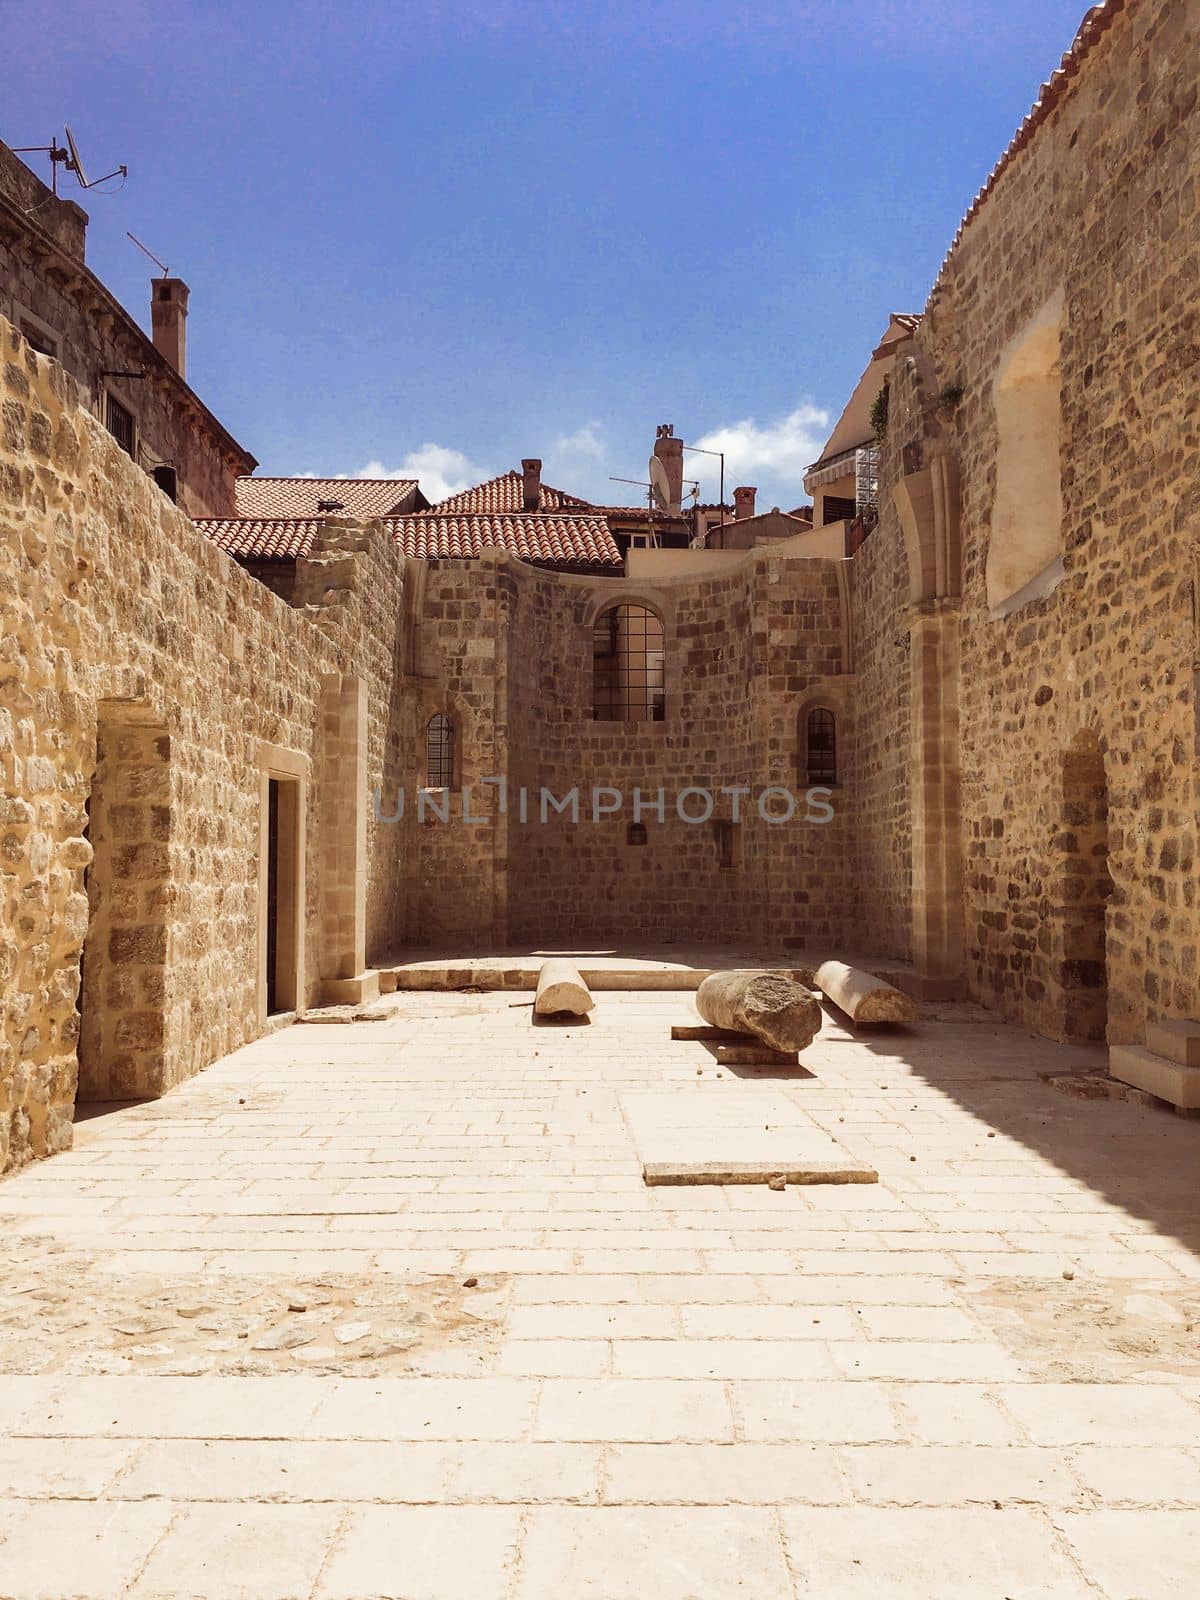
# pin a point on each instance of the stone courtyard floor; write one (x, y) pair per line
(513, 1372)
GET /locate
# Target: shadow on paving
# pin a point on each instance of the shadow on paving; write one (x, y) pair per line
(1144, 1159)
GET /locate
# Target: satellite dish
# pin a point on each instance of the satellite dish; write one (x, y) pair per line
(75, 165)
(660, 485)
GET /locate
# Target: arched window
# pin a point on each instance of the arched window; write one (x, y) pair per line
(628, 666)
(439, 752)
(820, 747)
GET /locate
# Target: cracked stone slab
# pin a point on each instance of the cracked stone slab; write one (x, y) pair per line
(743, 1135)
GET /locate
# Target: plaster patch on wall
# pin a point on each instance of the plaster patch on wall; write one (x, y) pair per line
(1025, 548)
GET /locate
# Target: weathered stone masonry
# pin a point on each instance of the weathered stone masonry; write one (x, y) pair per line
(144, 675)
(1077, 705)
(506, 651)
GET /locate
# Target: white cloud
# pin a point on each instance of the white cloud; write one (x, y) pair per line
(768, 454)
(578, 463)
(440, 471)
(587, 441)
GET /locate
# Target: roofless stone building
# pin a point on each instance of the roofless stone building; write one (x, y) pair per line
(998, 687)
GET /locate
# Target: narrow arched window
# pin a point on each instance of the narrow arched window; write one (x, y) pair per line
(439, 752)
(821, 747)
(628, 666)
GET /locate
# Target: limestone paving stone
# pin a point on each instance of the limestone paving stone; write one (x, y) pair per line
(423, 1553)
(746, 1136)
(240, 1552)
(882, 1553)
(624, 1553)
(52, 1549)
(1153, 1553)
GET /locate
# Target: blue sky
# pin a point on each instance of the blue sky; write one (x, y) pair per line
(449, 235)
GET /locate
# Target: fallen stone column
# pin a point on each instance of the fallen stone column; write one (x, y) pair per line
(770, 1005)
(559, 989)
(862, 996)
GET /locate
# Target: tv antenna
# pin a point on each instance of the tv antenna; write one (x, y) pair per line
(68, 156)
(75, 161)
(146, 252)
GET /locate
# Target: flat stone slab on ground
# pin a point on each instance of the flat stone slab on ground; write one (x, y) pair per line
(752, 1054)
(349, 1013)
(704, 1033)
(740, 1135)
(734, 1049)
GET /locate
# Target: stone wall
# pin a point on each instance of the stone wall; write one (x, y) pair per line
(883, 738)
(506, 651)
(1079, 275)
(145, 675)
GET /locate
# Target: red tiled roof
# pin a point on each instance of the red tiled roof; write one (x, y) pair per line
(641, 514)
(505, 494)
(1096, 22)
(569, 539)
(298, 497)
(262, 538)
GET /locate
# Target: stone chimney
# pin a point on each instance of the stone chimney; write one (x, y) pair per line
(168, 320)
(743, 503)
(531, 473)
(669, 451)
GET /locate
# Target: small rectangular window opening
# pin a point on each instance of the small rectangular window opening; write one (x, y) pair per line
(119, 422)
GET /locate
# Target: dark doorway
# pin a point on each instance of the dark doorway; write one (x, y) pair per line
(281, 888)
(123, 1001)
(273, 897)
(1084, 889)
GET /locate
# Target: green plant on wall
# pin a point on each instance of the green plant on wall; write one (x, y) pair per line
(878, 414)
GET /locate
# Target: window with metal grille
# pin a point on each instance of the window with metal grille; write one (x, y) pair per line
(628, 666)
(821, 747)
(119, 422)
(439, 752)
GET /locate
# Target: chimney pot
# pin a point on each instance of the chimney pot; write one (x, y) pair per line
(168, 320)
(531, 473)
(743, 502)
(669, 451)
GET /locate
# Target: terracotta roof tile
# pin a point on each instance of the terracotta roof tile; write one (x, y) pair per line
(263, 538)
(298, 497)
(505, 494)
(568, 539)
(1096, 22)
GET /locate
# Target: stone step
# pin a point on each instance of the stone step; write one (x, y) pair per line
(1167, 1080)
(1175, 1038)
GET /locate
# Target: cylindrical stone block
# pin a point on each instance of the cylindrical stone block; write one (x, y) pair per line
(862, 996)
(770, 1005)
(559, 989)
